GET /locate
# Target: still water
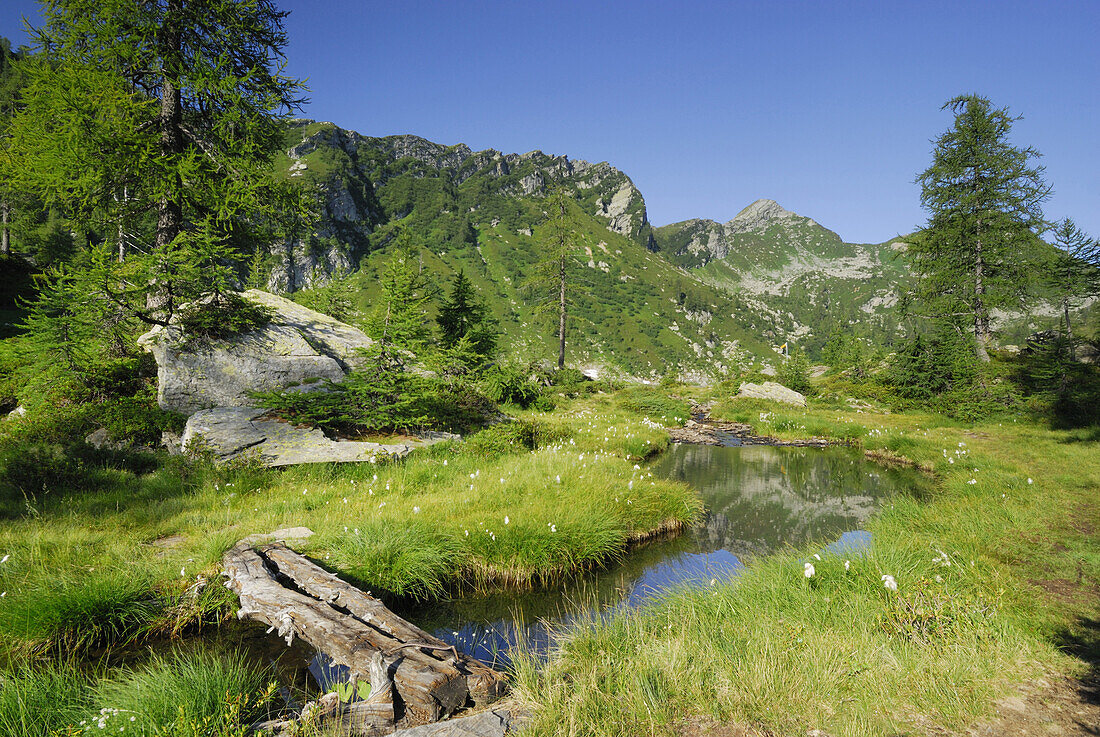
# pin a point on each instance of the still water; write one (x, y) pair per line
(758, 498)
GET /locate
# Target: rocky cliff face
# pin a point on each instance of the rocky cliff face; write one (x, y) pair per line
(367, 182)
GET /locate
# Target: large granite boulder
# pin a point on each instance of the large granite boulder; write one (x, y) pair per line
(299, 347)
(773, 391)
(232, 433)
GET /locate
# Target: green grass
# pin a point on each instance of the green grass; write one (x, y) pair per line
(42, 699)
(783, 654)
(185, 694)
(120, 560)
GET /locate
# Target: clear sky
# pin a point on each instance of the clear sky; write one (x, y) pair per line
(828, 107)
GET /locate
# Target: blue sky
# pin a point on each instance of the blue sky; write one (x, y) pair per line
(827, 107)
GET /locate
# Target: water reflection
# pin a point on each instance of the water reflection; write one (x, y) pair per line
(758, 498)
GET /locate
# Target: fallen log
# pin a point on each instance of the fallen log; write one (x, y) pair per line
(430, 679)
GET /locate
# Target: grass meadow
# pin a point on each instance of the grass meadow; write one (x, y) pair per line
(1014, 511)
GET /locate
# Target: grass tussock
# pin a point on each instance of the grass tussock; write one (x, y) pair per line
(43, 698)
(185, 694)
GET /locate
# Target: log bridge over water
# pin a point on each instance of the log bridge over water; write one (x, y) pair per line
(415, 678)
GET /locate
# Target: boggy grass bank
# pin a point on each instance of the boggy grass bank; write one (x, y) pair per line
(1014, 516)
(130, 553)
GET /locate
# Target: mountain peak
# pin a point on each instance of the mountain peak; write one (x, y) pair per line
(759, 215)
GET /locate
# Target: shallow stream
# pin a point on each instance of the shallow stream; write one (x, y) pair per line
(758, 498)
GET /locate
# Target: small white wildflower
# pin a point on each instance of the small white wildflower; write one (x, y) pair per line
(5, 558)
(1029, 481)
(557, 479)
(889, 582)
(972, 481)
(505, 519)
(808, 570)
(183, 572)
(847, 565)
(416, 510)
(444, 461)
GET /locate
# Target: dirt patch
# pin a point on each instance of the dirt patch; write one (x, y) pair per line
(705, 727)
(1054, 706)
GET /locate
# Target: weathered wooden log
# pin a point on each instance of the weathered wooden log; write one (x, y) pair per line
(431, 680)
(484, 684)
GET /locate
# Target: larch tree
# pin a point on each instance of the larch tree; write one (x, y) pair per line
(984, 196)
(552, 280)
(153, 124)
(1073, 272)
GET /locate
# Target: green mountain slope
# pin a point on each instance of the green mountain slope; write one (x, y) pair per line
(801, 278)
(483, 212)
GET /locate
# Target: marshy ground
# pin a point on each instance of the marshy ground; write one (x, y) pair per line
(997, 571)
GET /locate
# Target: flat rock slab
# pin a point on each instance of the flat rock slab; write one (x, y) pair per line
(246, 432)
(494, 722)
(773, 391)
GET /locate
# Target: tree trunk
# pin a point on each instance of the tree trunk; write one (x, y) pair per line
(1069, 329)
(561, 313)
(430, 679)
(981, 317)
(5, 242)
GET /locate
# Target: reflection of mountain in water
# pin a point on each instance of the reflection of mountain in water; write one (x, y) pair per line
(758, 498)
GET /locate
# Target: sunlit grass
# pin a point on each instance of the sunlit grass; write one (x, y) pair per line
(786, 654)
(109, 564)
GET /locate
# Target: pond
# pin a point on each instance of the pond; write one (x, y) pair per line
(758, 498)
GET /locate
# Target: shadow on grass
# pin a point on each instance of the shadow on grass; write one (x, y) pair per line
(1082, 641)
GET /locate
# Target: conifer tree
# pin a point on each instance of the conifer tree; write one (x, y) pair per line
(552, 281)
(400, 317)
(165, 107)
(984, 197)
(1073, 271)
(463, 315)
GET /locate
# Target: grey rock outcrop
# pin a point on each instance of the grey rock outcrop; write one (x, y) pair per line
(298, 347)
(773, 391)
(232, 433)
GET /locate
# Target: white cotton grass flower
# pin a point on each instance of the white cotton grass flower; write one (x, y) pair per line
(889, 582)
(808, 570)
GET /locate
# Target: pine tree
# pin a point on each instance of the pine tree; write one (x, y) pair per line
(463, 315)
(984, 201)
(165, 107)
(399, 321)
(552, 281)
(1073, 271)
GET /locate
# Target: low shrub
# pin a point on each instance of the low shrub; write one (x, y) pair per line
(383, 400)
(223, 318)
(510, 385)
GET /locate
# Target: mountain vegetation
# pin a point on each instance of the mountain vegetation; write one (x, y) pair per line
(150, 173)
